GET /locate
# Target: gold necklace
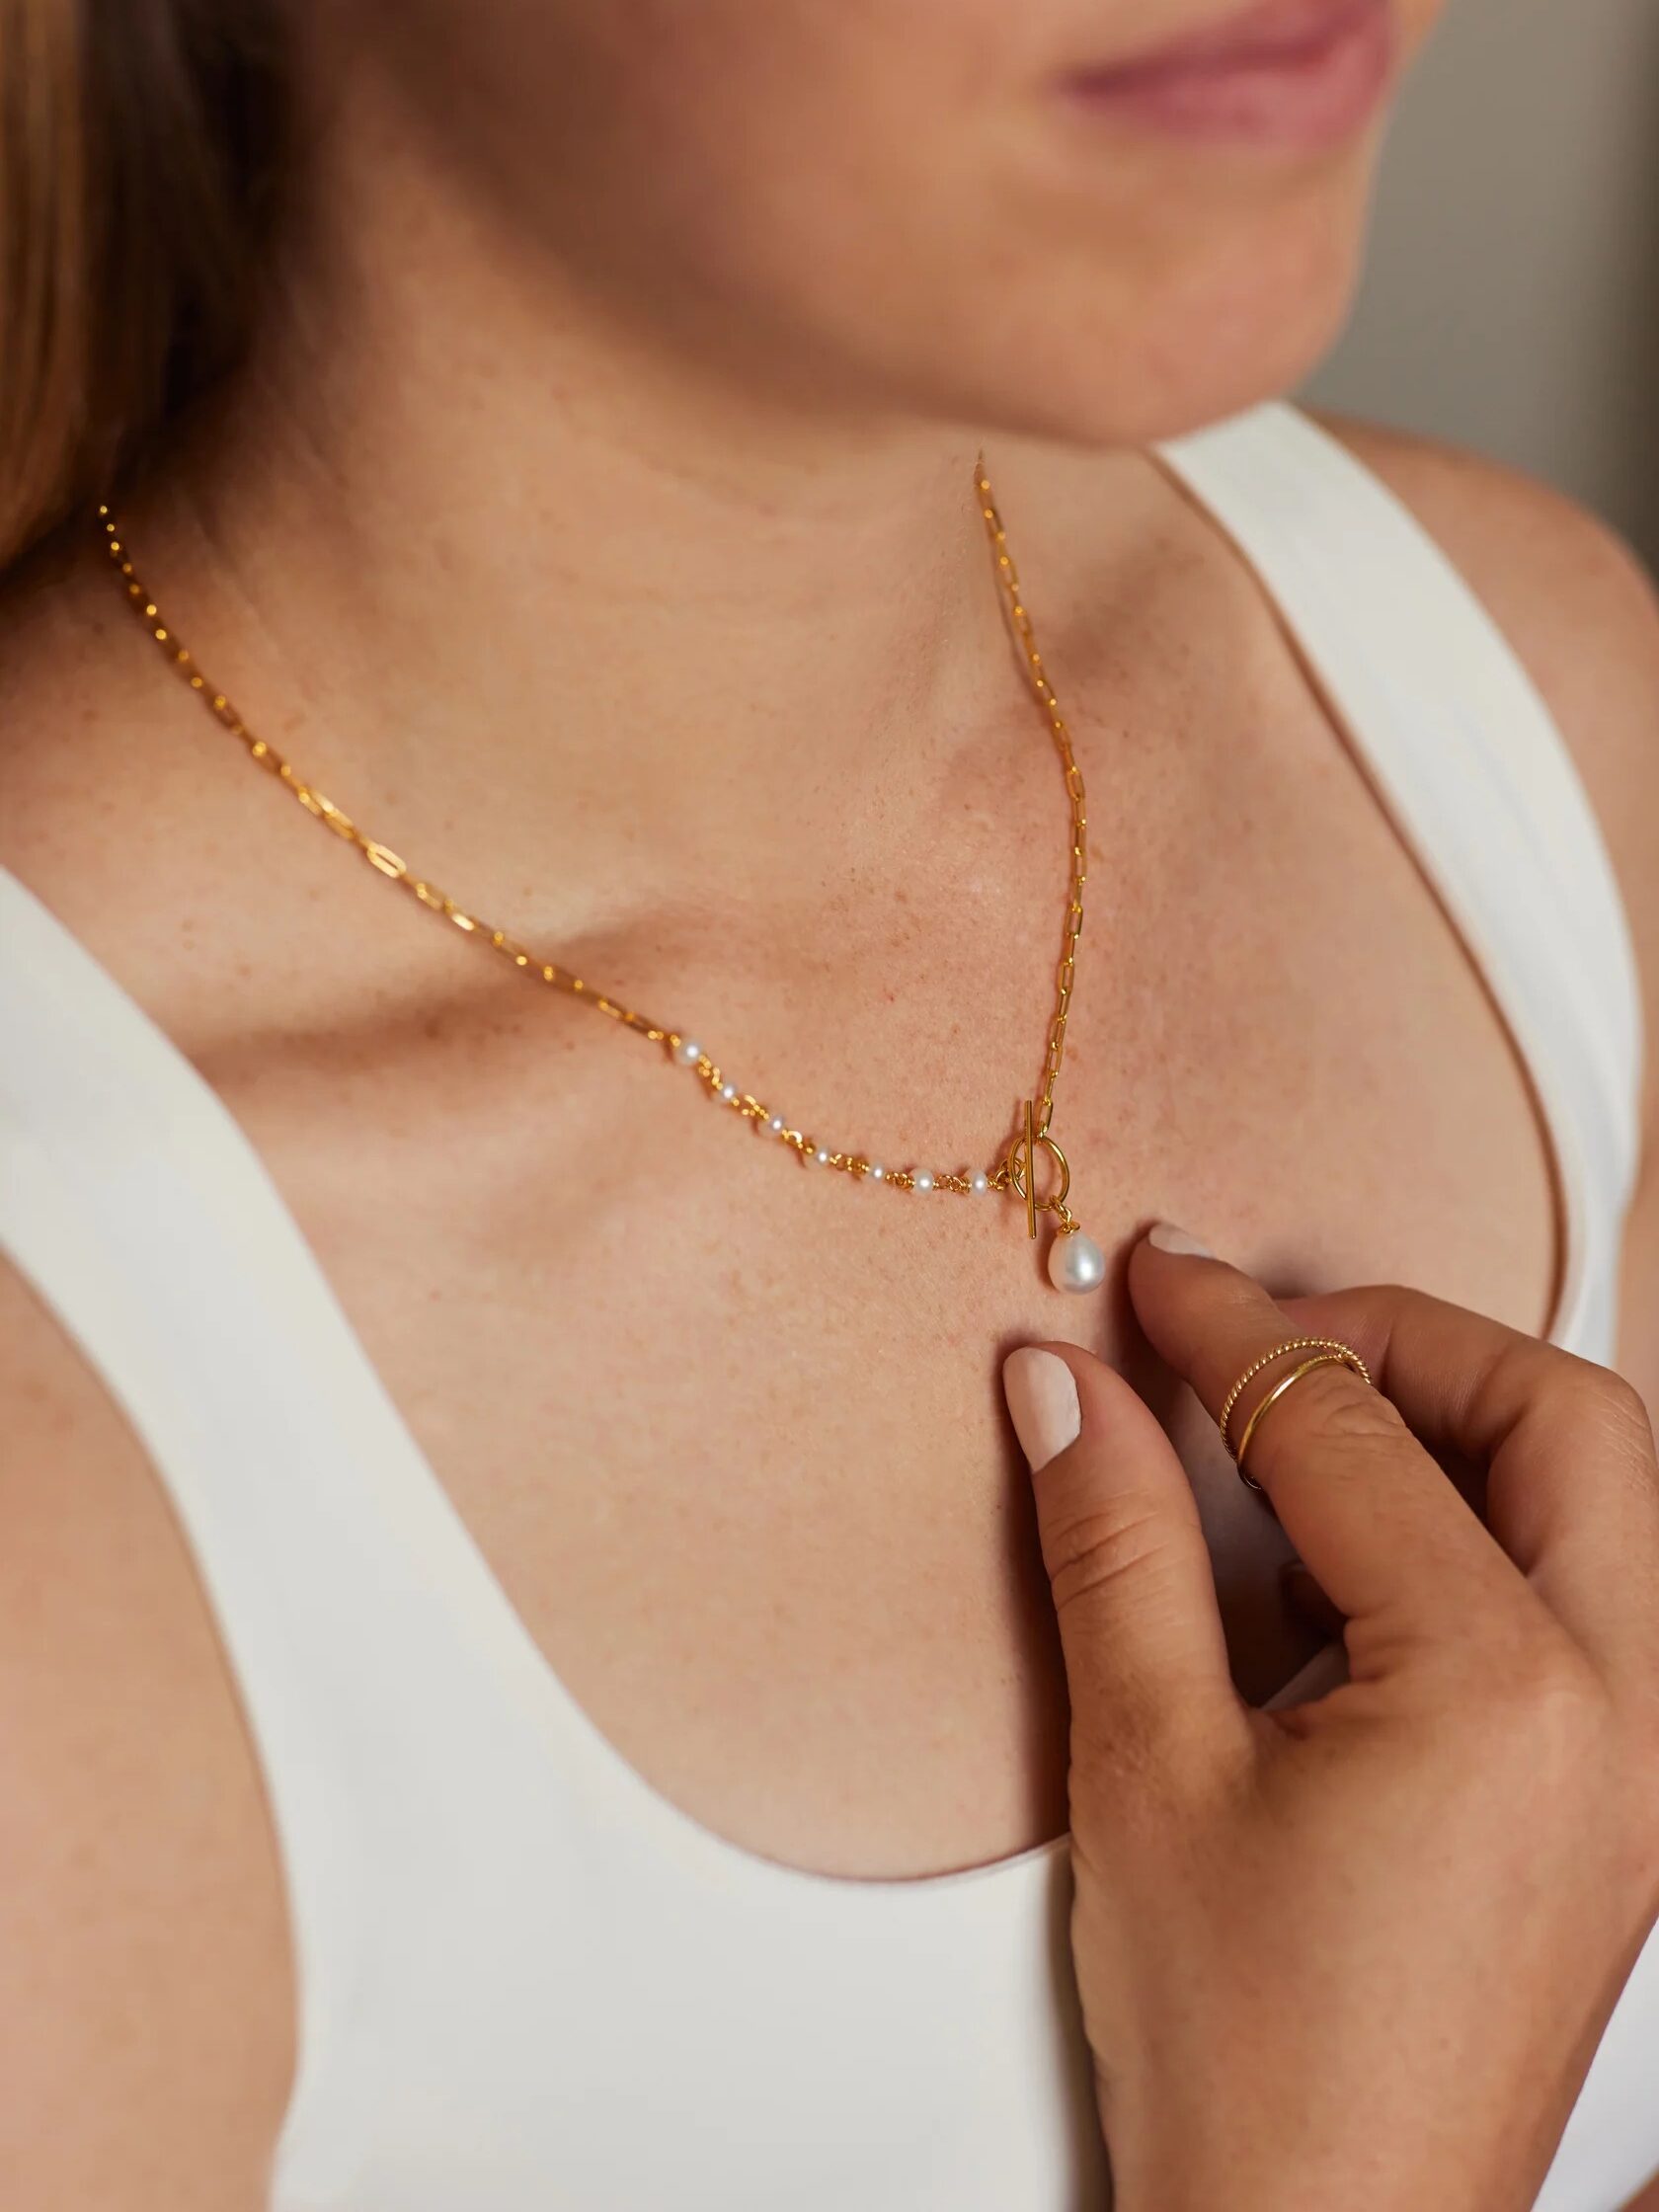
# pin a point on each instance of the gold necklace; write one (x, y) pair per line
(1076, 1261)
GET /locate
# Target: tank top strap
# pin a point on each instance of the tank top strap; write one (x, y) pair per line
(1466, 759)
(354, 1613)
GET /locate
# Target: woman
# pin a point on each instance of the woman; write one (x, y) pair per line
(529, 1674)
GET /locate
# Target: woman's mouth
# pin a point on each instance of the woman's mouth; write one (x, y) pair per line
(1287, 73)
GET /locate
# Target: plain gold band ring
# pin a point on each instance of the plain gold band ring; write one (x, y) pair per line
(1342, 1357)
(1279, 1351)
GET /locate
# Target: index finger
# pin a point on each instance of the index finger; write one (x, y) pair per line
(1385, 1533)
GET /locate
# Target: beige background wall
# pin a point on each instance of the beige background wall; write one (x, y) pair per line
(1512, 301)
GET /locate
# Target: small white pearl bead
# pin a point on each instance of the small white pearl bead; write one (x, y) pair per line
(923, 1181)
(729, 1092)
(775, 1125)
(1077, 1263)
(878, 1174)
(821, 1157)
(689, 1052)
(979, 1184)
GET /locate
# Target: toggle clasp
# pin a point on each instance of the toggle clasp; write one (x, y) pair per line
(1021, 1169)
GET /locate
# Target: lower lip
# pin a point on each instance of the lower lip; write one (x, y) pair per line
(1317, 91)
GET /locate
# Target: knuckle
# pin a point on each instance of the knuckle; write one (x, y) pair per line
(1092, 1550)
(1546, 1701)
(1616, 1406)
(1333, 1411)
(1625, 1412)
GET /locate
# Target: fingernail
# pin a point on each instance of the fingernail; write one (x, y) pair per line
(1168, 1239)
(1041, 1398)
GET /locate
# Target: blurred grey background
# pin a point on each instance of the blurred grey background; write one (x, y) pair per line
(1512, 301)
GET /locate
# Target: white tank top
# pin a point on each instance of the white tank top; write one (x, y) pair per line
(526, 1979)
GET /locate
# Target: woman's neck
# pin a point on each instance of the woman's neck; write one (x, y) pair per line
(477, 543)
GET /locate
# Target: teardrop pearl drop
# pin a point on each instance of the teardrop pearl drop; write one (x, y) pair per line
(1077, 1263)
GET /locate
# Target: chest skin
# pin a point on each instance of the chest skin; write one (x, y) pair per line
(729, 1429)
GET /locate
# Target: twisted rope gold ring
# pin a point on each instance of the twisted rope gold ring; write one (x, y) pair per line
(1329, 1353)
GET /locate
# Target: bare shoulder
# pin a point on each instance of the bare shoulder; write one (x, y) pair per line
(145, 2014)
(1582, 614)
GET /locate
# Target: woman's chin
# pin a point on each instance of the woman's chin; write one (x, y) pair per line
(1171, 375)
(1199, 322)
(1240, 328)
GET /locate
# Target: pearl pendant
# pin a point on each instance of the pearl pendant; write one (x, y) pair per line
(1077, 1263)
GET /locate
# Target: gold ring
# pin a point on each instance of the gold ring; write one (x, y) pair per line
(1341, 1358)
(1350, 1357)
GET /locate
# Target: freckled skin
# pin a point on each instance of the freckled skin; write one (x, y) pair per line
(729, 1431)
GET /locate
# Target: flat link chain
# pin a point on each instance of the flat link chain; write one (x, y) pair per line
(390, 864)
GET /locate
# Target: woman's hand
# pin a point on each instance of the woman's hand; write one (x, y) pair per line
(1354, 1955)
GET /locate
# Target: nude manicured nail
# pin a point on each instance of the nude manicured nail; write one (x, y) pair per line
(1168, 1239)
(1042, 1404)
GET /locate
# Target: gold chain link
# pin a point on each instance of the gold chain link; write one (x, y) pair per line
(1065, 973)
(679, 1045)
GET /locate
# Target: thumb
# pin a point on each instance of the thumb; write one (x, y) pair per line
(1146, 1658)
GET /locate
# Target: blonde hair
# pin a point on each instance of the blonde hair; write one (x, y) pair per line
(140, 152)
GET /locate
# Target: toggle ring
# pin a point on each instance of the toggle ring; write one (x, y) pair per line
(1330, 1354)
